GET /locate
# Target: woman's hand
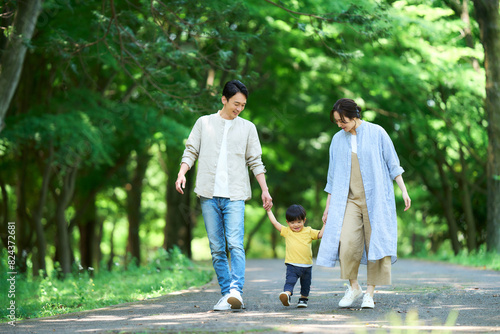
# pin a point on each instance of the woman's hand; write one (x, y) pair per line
(325, 213)
(402, 186)
(407, 200)
(325, 216)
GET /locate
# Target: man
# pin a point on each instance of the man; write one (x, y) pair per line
(225, 145)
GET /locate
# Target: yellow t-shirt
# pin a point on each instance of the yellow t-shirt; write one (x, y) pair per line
(298, 244)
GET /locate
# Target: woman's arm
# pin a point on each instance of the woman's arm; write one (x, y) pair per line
(325, 213)
(320, 234)
(402, 186)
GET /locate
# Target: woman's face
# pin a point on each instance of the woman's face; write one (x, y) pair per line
(347, 125)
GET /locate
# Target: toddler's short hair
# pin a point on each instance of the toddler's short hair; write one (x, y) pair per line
(295, 212)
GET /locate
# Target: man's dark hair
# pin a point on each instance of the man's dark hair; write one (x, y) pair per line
(232, 87)
(295, 212)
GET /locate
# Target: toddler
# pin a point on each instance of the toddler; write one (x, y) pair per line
(298, 258)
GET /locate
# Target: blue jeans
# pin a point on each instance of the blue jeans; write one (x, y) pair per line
(224, 220)
(293, 273)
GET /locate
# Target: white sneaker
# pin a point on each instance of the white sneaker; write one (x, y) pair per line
(367, 301)
(350, 296)
(285, 298)
(222, 304)
(234, 299)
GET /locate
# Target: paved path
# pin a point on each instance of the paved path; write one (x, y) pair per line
(432, 289)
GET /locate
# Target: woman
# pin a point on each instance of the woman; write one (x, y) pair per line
(360, 213)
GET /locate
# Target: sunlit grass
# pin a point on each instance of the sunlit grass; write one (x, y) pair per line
(41, 297)
(480, 258)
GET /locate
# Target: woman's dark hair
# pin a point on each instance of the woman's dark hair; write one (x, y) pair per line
(295, 212)
(232, 87)
(346, 108)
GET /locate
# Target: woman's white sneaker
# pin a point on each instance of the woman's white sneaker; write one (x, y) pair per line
(367, 301)
(350, 296)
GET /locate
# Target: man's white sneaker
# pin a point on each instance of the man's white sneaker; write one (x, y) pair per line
(222, 304)
(367, 301)
(235, 301)
(350, 296)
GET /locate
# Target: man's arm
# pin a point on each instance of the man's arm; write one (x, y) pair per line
(180, 184)
(267, 201)
(190, 155)
(273, 220)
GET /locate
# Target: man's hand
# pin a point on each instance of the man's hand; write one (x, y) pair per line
(267, 200)
(180, 184)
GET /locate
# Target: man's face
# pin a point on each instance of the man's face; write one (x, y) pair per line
(234, 106)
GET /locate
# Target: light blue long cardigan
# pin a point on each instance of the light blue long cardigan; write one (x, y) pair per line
(379, 164)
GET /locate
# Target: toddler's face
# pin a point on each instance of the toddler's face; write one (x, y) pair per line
(296, 225)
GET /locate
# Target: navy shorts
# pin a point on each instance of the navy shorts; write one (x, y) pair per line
(293, 273)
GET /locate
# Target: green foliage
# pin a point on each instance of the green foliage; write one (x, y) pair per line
(84, 290)
(130, 81)
(478, 258)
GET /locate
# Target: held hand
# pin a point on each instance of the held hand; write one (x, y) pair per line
(407, 200)
(325, 216)
(267, 200)
(180, 184)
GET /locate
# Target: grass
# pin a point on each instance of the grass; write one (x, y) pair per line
(480, 258)
(41, 297)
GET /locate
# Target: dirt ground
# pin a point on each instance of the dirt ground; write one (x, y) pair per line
(423, 296)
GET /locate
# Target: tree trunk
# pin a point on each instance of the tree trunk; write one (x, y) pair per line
(134, 193)
(12, 59)
(5, 208)
(448, 207)
(488, 17)
(88, 235)
(467, 206)
(37, 218)
(22, 221)
(112, 247)
(63, 242)
(179, 218)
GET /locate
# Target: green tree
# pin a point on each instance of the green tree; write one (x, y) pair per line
(488, 17)
(19, 18)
